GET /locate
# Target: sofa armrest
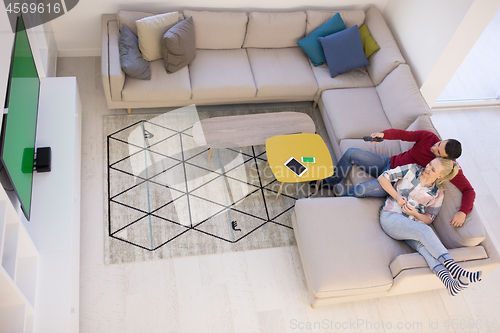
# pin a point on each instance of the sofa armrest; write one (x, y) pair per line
(112, 75)
(388, 57)
(415, 260)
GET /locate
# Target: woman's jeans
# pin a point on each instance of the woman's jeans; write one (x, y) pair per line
(367, 161)
(418, 235)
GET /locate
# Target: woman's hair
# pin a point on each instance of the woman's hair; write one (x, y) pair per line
(450, 170)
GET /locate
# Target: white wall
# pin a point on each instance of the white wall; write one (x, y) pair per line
(436, 36)
(423, 29)
(468, 32)
(77, 32)
(6, 42)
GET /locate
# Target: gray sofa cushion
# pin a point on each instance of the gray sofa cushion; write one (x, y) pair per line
(218, 30)
(131, 59)
(470, 234)
(221, 75)
(354, 113)
(282, 72)
(273, 30)
(389, 56)
(315, 18)
(178, 46)
(401, 98)
(162, 86)
(343, 248)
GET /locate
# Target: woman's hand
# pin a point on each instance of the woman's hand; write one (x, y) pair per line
(401, 201)
(412, 211)
(409, 210)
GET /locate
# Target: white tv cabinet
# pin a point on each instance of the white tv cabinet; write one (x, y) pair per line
(40, 258)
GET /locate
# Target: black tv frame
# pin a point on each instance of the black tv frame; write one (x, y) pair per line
(5, 178)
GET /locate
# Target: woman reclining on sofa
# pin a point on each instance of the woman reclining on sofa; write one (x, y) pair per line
(411, 207)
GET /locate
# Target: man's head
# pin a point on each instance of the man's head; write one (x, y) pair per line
(451, 149)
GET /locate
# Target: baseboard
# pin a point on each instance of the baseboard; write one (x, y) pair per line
(78, 53)
(465, 105)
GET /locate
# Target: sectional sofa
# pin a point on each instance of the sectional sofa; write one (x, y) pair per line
(253, 57)
(240, 58)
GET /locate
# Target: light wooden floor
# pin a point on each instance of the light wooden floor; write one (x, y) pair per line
(264, 290)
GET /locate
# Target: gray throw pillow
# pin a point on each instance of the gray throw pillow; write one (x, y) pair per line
(131, 59)
(178, 45)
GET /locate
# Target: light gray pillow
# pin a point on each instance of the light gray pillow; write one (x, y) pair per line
(178, 45)
(131, 59)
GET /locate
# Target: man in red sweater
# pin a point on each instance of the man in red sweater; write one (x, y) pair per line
(427, 146)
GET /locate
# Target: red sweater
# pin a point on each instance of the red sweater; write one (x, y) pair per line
(421, 154)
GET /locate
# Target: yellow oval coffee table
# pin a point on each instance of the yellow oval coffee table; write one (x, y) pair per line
(280, 148)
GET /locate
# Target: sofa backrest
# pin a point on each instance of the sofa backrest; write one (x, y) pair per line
(470, 234)
(275, 30)
(218, 30)
(401, 98)
(388, 57)
(128, 17)
(315, 18)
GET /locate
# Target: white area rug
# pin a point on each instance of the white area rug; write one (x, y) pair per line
(164, 199)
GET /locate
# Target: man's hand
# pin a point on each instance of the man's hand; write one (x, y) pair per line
(377, 135)
(458, 220)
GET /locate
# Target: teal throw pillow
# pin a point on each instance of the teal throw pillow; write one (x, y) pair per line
(344, 51)
(310, 44)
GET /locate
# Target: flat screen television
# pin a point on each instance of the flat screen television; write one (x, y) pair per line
(17, 139)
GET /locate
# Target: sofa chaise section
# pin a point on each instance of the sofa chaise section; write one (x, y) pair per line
(346, 256)
(344, 251)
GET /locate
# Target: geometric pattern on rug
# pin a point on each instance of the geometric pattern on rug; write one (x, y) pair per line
(161, 188)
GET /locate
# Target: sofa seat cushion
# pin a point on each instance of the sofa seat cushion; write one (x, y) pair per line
(342, 246)
(221, 74)
(161, 87)
(354, 113)
(357, 78)
(218, 30)
(282, 72)
(316, 18)
(386, 148)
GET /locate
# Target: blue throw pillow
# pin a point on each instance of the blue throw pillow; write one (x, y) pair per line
(344, 51)
(311, 45)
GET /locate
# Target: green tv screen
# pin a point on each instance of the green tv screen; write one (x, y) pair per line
(20, 125)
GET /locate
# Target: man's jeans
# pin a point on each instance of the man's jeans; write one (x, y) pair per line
(418, 235)
(367, 161)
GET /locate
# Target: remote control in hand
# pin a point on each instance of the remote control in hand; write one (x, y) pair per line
(369, 138)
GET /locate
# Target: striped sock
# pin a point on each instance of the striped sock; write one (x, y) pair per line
(453, 286)
(457, 271)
